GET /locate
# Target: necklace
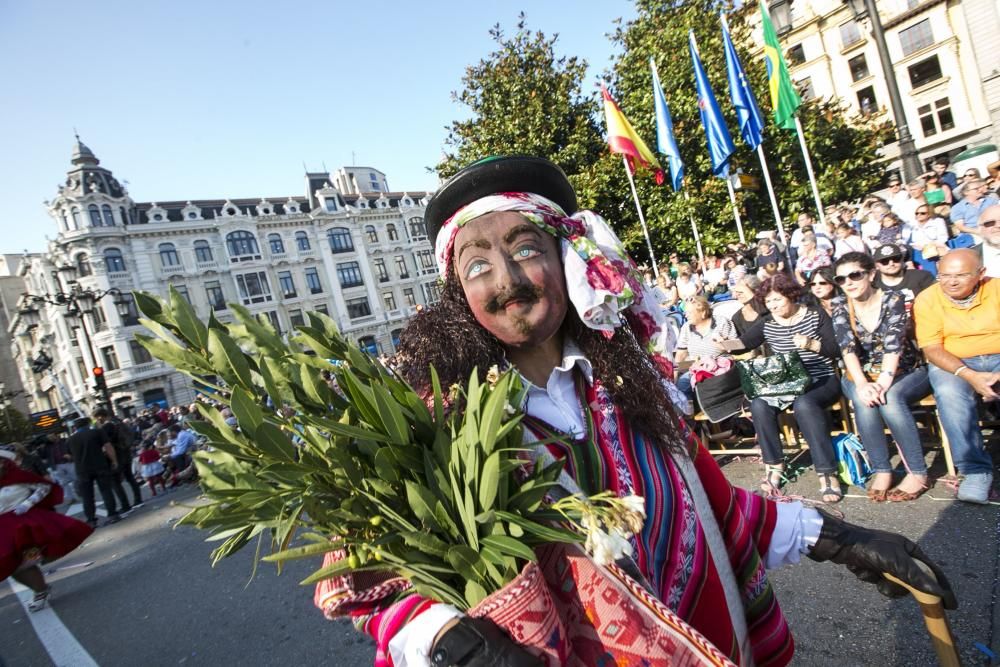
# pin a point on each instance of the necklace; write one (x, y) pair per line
(967, 301)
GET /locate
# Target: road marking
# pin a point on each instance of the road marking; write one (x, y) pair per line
(58, 641)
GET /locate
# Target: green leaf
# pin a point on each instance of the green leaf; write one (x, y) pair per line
(546, 533)
(489, 481)
(422, 501)
(187, 321)
(148, 305)
(177, 356)
(273, 442)
(493, 413)
(466, 562)
(228, 358)
(332, 570)
(392, 416)
(248, 414)
(426, 542)
(438, 397)
(510, 546)
(385, 465)
(307, 551)
(474, 593)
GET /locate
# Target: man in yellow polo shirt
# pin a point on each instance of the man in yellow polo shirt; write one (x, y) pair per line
(958, 329)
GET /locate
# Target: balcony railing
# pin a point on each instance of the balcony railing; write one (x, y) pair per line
(206, 266)
(173, 268)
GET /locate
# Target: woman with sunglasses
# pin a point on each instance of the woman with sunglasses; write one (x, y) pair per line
(791, 326)
(883, 376)
(822, 290)
(927, 236)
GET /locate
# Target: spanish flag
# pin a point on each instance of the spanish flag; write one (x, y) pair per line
(622, 138)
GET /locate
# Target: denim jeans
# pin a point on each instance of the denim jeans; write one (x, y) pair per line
(957, 405)
(684, 384)
(811, 411)
(871, 421)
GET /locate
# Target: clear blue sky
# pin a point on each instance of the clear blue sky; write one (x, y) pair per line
(190, 100)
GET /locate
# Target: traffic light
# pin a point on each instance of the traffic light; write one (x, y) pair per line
(100, 383)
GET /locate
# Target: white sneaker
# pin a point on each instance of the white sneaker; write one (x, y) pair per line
(975, 488)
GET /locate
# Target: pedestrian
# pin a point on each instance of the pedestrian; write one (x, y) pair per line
(152, 467)
(61, 466)
(31, 531)
(123, 448)
(96, 462)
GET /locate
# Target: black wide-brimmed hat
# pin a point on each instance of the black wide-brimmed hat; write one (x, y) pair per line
(509, 173)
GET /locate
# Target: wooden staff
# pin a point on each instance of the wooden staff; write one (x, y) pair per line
(936, 622)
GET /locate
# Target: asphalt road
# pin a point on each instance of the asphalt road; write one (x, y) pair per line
(151, 597)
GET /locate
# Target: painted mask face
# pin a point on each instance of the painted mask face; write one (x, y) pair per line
(512, 275)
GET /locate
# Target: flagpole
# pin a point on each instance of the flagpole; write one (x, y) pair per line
(642, 218)
(694, 228)
(774, 200)
(736, 210)
(809, 170)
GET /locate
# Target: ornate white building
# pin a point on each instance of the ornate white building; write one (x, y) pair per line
(362, 257)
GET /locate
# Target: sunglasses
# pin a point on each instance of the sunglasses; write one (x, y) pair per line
(886, 261)
(921, 213)
(970, 175)
(820, 283)
(853, 276)
(988, 223)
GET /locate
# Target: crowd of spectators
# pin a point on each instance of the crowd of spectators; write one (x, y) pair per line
(886, 303)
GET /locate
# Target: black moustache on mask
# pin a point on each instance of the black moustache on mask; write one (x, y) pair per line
(528, 293)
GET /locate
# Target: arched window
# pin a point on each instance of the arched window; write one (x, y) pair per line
(302, 241)
(241, 244)
(202, 251)
(126, 220)
(109, 218)
(390, 229)
(95, 215)
(168, 255)
(371, 233)
(417, 228)
(65, 221)
(77, 223)
(368, 344)
(113, 260)
(275, 243)
(83, 266)
(340, 239)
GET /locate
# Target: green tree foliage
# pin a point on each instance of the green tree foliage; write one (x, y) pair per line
(14, 426)
(522, 98)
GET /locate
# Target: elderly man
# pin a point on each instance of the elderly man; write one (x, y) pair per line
(958, 328)
(989, 249)
(976, 197)
(896, 196)
(532, 284)
(806, 223)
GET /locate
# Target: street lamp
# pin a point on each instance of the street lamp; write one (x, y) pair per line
(907, 148)
(781, 14)
(78, 303)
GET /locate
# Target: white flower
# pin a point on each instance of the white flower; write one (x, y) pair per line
(606, 548)
(493, 375)
(634, 503)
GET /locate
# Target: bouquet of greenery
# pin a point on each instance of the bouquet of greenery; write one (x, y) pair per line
(334, 452)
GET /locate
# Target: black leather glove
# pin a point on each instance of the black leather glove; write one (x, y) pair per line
(868, 553)
(477, 642)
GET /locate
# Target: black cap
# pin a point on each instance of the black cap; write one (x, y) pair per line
(889, 250)
(509, 173)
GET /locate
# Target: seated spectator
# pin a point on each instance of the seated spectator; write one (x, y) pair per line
(848, 240)
(927, 237)
(891, 231)
(699, 338)
(989, 249)
(745, 291)
(883, 376)
(688, 283)
(894, 276)
(822, 290)
(937, 192)
(958, 329)
(666, 291)
(769, 261)
(976, 197)
(872, 225)
(182, 440)
(794, 327)
(811, 257)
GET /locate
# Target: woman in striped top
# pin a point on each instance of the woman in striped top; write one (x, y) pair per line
(791, 326)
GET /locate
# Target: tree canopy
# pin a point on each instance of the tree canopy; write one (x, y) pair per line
(523, 98)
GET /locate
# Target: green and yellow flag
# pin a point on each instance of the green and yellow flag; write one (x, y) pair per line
(784, 98)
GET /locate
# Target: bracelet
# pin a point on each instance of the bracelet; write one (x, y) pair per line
(961, 368)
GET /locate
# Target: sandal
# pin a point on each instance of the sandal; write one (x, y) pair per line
(40, 599)
(877, 495)
(900, 496)
(774, 479)
(837, 494)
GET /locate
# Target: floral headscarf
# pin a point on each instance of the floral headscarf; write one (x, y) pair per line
(602, 282)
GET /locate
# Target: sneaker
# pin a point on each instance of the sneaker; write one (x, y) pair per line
(40, 599)
(137, 505)
(114, 518)
(975, 488)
